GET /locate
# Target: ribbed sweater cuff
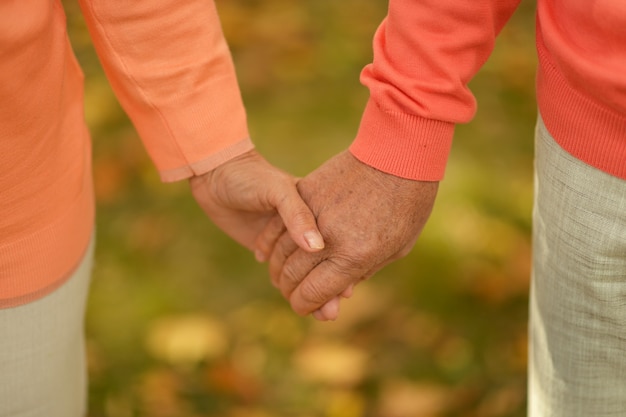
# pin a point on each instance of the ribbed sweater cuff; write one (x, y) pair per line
(404, 145)
(207, 164)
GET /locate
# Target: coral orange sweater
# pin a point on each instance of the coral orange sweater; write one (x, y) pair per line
(172, 72)
(425, 53)
(170, 68)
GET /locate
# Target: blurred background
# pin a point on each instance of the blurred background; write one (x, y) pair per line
(183, 322)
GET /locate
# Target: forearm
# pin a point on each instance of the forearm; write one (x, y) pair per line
(171, 70)
(425, 54)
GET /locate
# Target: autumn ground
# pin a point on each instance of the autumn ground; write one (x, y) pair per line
(182, 322)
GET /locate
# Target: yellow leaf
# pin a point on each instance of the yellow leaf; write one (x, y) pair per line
(185, 340)
(332, 363)
(409, 399)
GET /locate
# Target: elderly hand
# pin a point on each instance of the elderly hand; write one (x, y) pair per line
(368, 219)
(243, 194)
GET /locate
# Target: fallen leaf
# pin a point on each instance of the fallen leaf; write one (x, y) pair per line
(229, 380)
(332, 363)
(401, 398)
(187, 339)
(159, 394)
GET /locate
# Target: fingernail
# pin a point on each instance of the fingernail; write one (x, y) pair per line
(314, 240)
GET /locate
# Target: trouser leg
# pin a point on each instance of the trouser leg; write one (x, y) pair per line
(577, 362)
(42, 354)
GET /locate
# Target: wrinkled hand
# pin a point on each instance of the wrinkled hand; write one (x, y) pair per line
(368, 219)
(242, 195)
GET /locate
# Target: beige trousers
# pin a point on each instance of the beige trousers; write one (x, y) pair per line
(578, 293)
(42, 355)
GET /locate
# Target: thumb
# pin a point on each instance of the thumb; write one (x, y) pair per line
(299, 221)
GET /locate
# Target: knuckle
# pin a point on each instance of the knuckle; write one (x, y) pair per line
(350, 264)
(275, 271)
(313, 293)
(284, 248)
(289, 274)
(294, 272)
(277, 262)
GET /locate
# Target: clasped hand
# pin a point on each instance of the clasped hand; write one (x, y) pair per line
(242, 195)
(367, 218)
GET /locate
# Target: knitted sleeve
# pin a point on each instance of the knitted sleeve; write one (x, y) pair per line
(425, 53)
(172, 72)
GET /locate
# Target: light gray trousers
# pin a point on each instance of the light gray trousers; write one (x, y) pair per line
(42, 354)
(577, 363)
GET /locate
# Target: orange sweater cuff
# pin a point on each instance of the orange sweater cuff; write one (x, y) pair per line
(405, 145)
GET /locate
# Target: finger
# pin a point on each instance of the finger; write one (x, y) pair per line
(291, 277)
(295, 267)
(329, 311)
(347, 293)
(283, 249)
(267, 239)
(318, 315)
(321, 285)
(298, 219)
